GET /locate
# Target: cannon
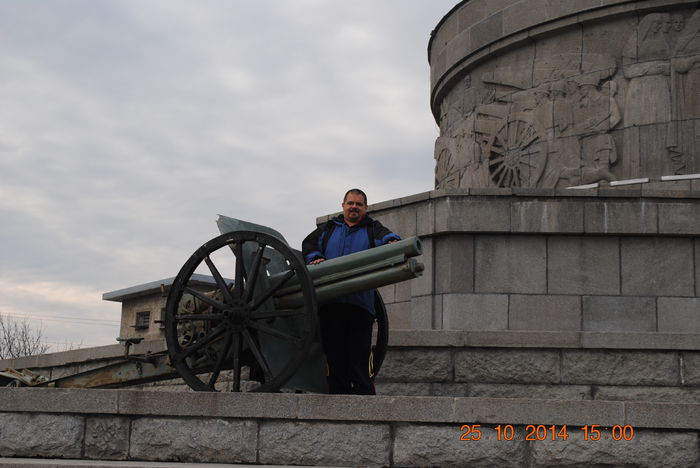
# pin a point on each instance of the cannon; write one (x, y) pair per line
(254, 326)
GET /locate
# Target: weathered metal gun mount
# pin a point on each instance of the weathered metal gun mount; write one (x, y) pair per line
(255, 327)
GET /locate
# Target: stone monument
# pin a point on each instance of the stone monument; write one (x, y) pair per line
(541, 308)
(565, 93)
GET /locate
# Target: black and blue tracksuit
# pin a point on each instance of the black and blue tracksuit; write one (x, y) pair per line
(346, 324)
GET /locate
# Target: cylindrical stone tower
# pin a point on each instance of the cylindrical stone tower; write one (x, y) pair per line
(552, 94)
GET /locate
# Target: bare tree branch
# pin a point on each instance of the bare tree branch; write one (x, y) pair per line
(19, 338)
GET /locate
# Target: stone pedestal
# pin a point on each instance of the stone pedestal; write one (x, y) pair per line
(543, 260)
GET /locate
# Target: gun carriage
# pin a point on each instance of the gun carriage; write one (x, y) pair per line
(254, 326)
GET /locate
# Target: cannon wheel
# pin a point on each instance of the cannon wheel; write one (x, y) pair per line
(382, 337)
(221, 331)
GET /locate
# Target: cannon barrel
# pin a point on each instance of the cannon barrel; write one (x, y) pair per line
(360, 271)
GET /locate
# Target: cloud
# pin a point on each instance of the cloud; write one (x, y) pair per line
(126, 126)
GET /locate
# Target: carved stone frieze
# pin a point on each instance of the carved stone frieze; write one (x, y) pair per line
(566, 109)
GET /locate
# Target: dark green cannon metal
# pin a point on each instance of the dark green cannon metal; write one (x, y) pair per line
(262, 316)
(254, 327)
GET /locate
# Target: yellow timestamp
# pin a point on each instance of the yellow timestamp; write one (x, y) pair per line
(592, 432)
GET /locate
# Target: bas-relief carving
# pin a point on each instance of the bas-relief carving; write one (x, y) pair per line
(547, 121)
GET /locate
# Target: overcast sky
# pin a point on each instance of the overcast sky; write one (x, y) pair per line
(126, 126)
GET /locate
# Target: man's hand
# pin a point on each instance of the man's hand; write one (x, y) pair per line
(392, 241)
(317, 261)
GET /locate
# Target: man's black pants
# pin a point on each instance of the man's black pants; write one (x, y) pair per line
(346, 334)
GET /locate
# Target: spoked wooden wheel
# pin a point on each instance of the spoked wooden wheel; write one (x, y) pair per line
(219, 325)
(382, 334)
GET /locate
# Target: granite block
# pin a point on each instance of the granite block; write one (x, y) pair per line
(613, 367)
(426, 338)
(402, 291)
(583, 265)
(68, 400)
(107, 438)
(510, 264)
(524, 339)
(388, 293)
(697, 267)
(329, 444)
(423, 285)
(454, 214)
(422, 309)
(425, 365)
(646, 449)
(475, 311)
(41, 435)
(546, 216)
(506, 366)
(541, 392)
(640, 340)
(557, 8)
(491, 191)
(649, 394)
(210, 404)
(535, 312)
(522, 15)
(194, 440)
(486, 31)
(690, 368)
(608, 217)
(619, 313)
(402, 388)
(679, 314)
(402, 220)
(459, 46)
(526, 411)
(657, 266)
(379, 408)
(425, 218)
(679, 218)
(662, 415)
(454, 264)
(440, 445)
(399, 314)
(449, 389)
(415, 198)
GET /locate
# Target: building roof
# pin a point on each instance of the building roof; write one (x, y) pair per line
(147, 289)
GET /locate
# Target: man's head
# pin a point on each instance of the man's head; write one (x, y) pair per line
(354, 206)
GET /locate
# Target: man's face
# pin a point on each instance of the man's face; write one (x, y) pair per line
(354, 208)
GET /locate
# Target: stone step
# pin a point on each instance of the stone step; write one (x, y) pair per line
(58, 463)
(496, 364)
(336, 430)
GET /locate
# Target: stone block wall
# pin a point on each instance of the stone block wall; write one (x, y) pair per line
(530, 259)
(332, 430)
(550, 365)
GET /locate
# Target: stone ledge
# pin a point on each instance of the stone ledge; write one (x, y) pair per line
(350, 408)
(534, 211)
(76, 463)
(81, 356)
(544, 339)
(422, 339)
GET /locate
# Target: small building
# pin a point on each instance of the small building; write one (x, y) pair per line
(143, 306)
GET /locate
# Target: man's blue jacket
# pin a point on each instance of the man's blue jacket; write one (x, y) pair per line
(344, 240)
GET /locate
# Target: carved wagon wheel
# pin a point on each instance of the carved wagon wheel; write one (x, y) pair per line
(514, 154)
(216, 328)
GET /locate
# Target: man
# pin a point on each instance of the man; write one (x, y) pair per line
(346, 324)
